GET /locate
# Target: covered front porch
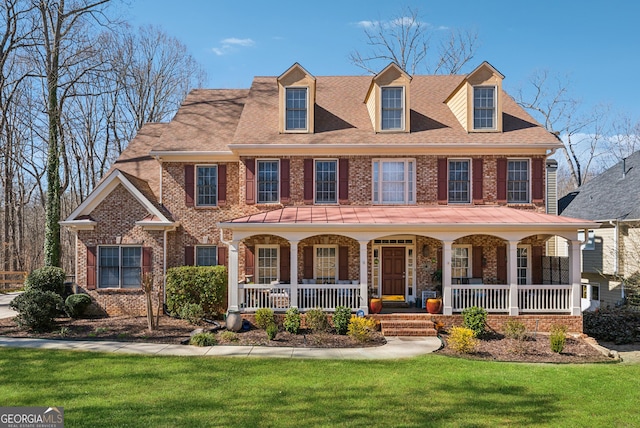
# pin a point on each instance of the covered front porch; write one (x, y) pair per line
(324, 257)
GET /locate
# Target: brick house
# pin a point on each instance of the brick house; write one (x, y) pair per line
(323, 191)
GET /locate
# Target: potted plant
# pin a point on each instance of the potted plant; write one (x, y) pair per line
(434, 305)
(375, 303)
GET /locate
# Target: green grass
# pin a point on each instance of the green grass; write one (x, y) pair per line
(116, 390)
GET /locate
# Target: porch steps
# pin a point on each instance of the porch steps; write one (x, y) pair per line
(406, 325)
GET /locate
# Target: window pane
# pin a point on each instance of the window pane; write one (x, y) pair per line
(326, 181)
(393, 182)
(392, 108)
(459, 181)
(206, 256)
(109, 267)
(460, 262)
(523, 265)
(483, 107)
(131, 267)
(296, 108)
(267, 265)
(267, 181)
(207, 185)
(325, 264)
(518, 181)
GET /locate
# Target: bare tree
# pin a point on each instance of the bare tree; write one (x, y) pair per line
(405, 40)
(548, 98)
(624, 139)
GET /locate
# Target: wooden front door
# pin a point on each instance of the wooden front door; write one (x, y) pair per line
(393, 268)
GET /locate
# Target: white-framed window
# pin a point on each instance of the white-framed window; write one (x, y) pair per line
(326, 178)
(523, 260)
(267, 263)
(392, 108)
(589, 243)
(268, 181)
(394, 181)
(591, 291)
(206, 255)
(461, 261)
(325, 264)
(484, 107)
(518, 181)
(119, 266)
(296, 109)
(459, 181)
(206, 185)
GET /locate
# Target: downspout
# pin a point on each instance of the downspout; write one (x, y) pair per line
(164, 258)
(616, 245)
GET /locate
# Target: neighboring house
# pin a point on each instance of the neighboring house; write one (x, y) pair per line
(612, 252)
(323, 191)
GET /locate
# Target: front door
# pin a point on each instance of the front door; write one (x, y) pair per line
(393, 268)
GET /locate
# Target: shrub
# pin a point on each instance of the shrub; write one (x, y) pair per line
(462, 339)
(203, 339)
(341, 318)
(202, 285)
(37, 309)
(317, 320)
(76, 305)
(229, 336)
(475, 319)
(619, 325)
(264, 318)
(192, 312)
(292, 320)
(272, 331)
(515, 329)
(48, 278)
(558, 338)
(361, 328)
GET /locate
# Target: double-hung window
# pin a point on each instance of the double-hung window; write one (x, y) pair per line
(119, 267)
(325, 264)
(268, 264)
(392, 108)
(459, 181)
(518, 181)
(268, 181)
(326, 181)
(484, 107)
(206, 185)
(394, 181)
(296, 109)
(460, 261)
(206, 255)
(524, 271)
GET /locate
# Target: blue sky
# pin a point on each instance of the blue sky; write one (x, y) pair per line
(595, 43)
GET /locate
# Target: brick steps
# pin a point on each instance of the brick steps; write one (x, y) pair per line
(406, 325)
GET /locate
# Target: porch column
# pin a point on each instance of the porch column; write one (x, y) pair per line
(364, 279)
(512, 277)
(447, 300)
(293, 266)
(575, 277)
(232, 289)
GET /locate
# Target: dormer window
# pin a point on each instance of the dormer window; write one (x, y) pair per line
(296, 109)
(484, 107)
(392, 109)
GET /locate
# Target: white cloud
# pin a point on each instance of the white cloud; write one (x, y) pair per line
(230, 44)
(366, 24)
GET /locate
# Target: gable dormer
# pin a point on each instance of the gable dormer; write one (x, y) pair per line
(476, 102)
(388, 100)
(297, 98)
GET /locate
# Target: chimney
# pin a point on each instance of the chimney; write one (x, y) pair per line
(624, 167)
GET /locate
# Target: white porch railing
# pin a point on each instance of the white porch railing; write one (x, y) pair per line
(544, 298)
(310, 296)
(493, 298)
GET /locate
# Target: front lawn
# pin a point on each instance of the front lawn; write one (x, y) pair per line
(113, 390)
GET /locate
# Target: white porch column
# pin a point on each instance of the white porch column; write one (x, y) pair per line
(575, 276)
(364, 279)
(512, 277)
(293, 275)
(232, 290)
(447, 300)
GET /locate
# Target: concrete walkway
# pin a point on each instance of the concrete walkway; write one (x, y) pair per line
(5, 299)
(396, 347)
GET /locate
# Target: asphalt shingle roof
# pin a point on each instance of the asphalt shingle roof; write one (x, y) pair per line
(609, 196)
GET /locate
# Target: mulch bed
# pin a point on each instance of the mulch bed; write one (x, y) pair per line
(535, 349)
(175, 331)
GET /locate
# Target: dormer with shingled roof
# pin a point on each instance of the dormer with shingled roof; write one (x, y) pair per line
(388, 100)
(297, 98)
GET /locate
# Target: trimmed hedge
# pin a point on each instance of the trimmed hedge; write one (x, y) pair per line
(37, 309)
(48, 278)
(200, 285)
(76, 305)
(619, 325)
